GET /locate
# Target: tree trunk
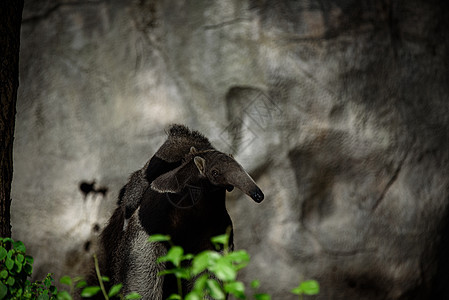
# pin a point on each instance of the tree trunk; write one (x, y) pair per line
(10, 20)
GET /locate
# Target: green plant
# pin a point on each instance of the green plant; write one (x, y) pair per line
(90, 291)
(73, 284)
(16, 267)
(42, 290)
(215, 273)
(308, 287)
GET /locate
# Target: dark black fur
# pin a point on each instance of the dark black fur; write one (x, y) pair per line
(154, 169)
(158, 166)
(191, 227)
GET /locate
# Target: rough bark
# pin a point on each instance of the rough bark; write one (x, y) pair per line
(11, 17)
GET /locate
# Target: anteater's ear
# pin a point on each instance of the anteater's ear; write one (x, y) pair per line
(200, 164)
(168, 182)
(193, 150)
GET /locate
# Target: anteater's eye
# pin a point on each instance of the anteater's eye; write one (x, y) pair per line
(214, 173)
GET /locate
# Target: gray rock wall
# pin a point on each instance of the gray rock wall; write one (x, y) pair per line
(338, 109)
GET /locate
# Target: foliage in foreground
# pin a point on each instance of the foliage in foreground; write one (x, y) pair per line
(214, 275)
(90, 291)
(15, 269)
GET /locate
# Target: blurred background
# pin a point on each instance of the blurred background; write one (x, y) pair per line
(337, 108)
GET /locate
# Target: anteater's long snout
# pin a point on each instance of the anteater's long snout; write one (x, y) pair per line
(241, 180)
(257, 195)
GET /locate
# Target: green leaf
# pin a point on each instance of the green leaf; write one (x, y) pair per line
(29, 259)
(178, 272)
(238, 256)
(19, 292)
(3, 253)
(262, 297)
(200, 284)
(10, 281)
(297, 290)
(105, 278)
(3, 290)
(48, 281)
(67, 280)
(28, 269)
(173, 255)
(203, 260)
(188, 256)
(159, 238)
(9, 263)
(174, 297)
(53, 290)
(239, 259)
(43, 297)
(214, 289)
(224, 269)
(77, 278)
(194, 295)
(255, 284)
(220, 239)
(115, 289)
(20, 258)
(236, 288)
(18, 267)
(165, 272)
(27, 283)
(90, 291)
(132, 296)
(5, 240)
(80, 284)
(310, 287)
(182, 273)
(19, 246)
(200, 263)
(64, 295)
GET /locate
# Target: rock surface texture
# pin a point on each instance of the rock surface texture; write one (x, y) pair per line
(338, 109)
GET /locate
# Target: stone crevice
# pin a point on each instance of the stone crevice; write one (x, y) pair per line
(226, 23)
(392, 180)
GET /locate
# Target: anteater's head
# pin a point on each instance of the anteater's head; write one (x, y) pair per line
(223, 170)
(218, 168)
